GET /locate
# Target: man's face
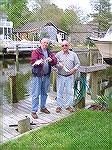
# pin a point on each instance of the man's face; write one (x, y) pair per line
(65, 46)
(44, 43)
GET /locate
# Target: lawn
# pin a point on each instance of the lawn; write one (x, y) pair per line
(83, 130)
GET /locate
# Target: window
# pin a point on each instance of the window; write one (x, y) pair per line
(1, 31)
(9, 30)
(63, 36)
(5, 31)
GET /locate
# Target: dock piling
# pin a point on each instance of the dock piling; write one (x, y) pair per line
(12, 80)
(17, 60)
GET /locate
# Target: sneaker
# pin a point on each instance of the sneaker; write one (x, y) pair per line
(58, 109)
(70, 109)
(45, 110)
(34, 115)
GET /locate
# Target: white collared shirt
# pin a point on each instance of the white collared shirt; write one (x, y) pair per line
(70, 61)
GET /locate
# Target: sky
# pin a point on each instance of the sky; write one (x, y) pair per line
(83, 4)
(63, 4)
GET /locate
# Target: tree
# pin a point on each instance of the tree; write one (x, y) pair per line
(16, 11)
(69, 19)
(52, 13)
(48, 12)
(44, 35)
(102, 15)
(42, 3)
(2, 15)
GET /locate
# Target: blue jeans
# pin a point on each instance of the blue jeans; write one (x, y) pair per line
(39, 91)
(65, 83)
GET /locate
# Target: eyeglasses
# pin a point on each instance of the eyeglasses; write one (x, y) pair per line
(64, 45)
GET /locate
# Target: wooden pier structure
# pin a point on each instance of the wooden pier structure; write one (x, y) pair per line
(10, 114)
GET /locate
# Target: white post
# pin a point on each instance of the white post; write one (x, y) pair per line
(102, 60)
(33, 41)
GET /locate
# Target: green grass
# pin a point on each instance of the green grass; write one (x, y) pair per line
(83, 130)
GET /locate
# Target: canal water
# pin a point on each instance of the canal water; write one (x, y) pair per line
(22, 71)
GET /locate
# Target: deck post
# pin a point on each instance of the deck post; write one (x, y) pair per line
(54, 81)
(94, 70)
(1, 97)
(90, 59)
(17, 53)
(24, 125)
(17, 61)
(81, 104)
(94, 85)
(12, 80)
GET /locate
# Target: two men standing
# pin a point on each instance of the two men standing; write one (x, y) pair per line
(67, 64)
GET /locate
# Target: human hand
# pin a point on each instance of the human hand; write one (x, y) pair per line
(73, 70)
(42, 61)
(48, 59)
(38, 62)
(61, 65)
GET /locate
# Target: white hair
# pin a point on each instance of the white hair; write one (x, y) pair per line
(43, 40)
(64, 42)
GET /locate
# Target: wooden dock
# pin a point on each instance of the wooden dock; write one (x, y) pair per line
(12, 113)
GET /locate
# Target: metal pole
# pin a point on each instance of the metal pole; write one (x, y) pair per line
(33, 41)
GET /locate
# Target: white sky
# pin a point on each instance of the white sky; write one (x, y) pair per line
(83, 4)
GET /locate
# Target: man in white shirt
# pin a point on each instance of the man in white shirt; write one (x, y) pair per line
(68, 64)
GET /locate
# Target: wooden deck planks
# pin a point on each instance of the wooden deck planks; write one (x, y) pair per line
(12, 113)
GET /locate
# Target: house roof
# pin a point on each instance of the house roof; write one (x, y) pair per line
(50, 23)
(85, 28)
(82, 28)
(30, 26)
(36, 27)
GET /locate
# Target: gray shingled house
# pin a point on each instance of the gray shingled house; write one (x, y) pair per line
(40, 29)
(79, 33)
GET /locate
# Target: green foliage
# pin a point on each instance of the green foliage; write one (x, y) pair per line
(34, 37)
(50, 46)
(47, 12)
(17, 11)
(89, 42)
(69, 19)
(108, 72)
(42, 3)
(102, 100)
(102, 14)
(44, 35)
(56, 48)
(105, 100)
(64, 26)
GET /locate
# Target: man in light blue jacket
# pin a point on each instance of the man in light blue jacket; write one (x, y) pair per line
(68, 64)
